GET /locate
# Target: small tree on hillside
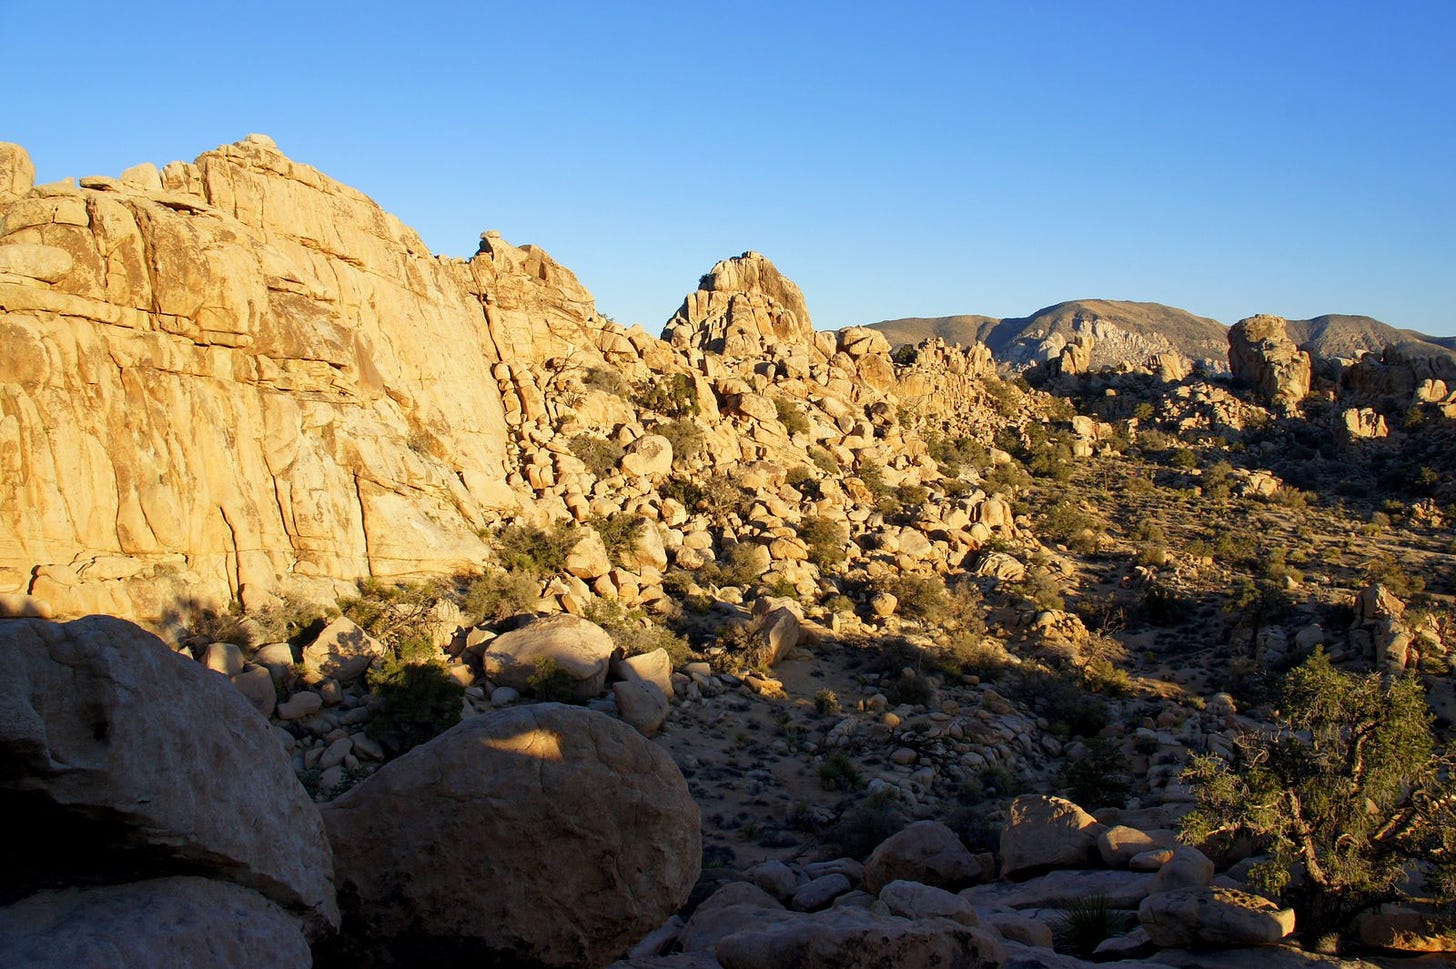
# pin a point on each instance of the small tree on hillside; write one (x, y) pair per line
(1346, 795)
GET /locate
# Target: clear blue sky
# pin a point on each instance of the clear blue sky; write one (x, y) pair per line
(908, 159)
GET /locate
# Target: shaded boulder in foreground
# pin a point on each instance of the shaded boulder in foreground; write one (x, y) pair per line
(543, 835)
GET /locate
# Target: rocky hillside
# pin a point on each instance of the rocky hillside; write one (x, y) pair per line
(1127, 334)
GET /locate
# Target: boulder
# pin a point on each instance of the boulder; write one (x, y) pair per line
(547, 835)
(119, 756)
(652, 667)
(581, 649)
(641, 704)
(343, 651)
(913, 900)
(17, 172)
(1047, 832)
(856, 938)
(727, 911)
(927, 852)
(165, 923)
(1187, 868)
(1062, 889)
(650, 456)
(1262, 355)
(1213, 916)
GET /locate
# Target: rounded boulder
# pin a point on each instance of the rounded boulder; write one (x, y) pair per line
(544, 835)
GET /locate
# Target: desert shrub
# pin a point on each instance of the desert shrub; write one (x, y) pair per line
(497, 594)
(839, 603)
(1100, 778)
(912, 495)
(1005, 396)
(607, 380)
(394, 612)
(687, 437)
(1040, 589)
(416, 702)
(1393, 575)
(1152, 555)
(739, 566)
(954, 454)
(534, 551)
(791, 415)
(1349, 787)
(600, 455)
(619, 532)
(859, 830)
(1162, 606)
(1006, 479)
(673, 395)
(823, 459)
(635, 639)
(872, 476)
(826, 702)
(839, 773)
(1103, 676)
(1069, 708)
(1068, 522)
(910, 688)
(1086, 923)
(1183, 458)
(551, 683)
(922, 597)
(825, 538)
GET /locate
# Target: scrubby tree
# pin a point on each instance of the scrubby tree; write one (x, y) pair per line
(1349, 796)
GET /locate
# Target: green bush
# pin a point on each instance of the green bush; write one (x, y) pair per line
(687, 437)
(673, 395)
(607, 380)
(534, 551)
(864, 826)
(839, 773)
(1101, 778)
(1087, 923)
(922, 597)
(550, 683)
(619, 532)
(1351, 790)
(826, 702)
(497, 594)
(826, 539)
(600, 455)
(416, 702)
(791, 415)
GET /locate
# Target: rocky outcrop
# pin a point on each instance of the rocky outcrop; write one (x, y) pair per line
(579, 650)
(1213, 916)
(1262, 355)
(1046, 832)
(237, 375)
(165, 923)
(743, 307)
(555, 836)
(122, 760)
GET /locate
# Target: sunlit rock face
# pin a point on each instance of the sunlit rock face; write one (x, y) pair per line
(231, 376)
(1262, 354)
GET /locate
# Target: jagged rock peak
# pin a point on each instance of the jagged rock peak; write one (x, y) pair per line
(1261, 353)
(741, 308)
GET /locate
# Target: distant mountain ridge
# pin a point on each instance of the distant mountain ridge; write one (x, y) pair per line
(1128, 333)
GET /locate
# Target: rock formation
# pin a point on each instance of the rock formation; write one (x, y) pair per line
(238, 375)
(1262, 355)
(741, 308)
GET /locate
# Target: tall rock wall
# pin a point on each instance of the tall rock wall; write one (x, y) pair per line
(235, 375)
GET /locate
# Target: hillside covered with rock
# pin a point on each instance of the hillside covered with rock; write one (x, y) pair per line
(489, 631)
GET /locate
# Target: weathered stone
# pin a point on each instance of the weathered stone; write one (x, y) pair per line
(165, 923)
(343, 651)
(654, 667)
(855, 938)
(1213, 916)
(728, 910)
(108, 773)
(913, 900)
(1047, 832)
(741, 307)
(579, 648)
(926, 852)
(642, 704)
(256, 683)
(582, 838)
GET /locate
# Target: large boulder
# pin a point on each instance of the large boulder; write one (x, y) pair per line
(927, 852)
(1262, 354)
(1047, 832)
(580, 649)
(1213, 916)
(343, 651)
(543, 835)
(165, 923)
(120, 759)
(743, 307)
(856, 938)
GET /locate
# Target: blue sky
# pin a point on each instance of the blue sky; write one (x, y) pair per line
(915, 159)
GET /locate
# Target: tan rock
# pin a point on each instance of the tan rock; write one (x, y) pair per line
(579, 648)
(1046, 832)
(650, 456)
(588, 558)
(591, 840)
(17, 172)
(1261, 353)
(343, 651)
(1213, 916)
(927, 852)
(642, 704)
(654, 667)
